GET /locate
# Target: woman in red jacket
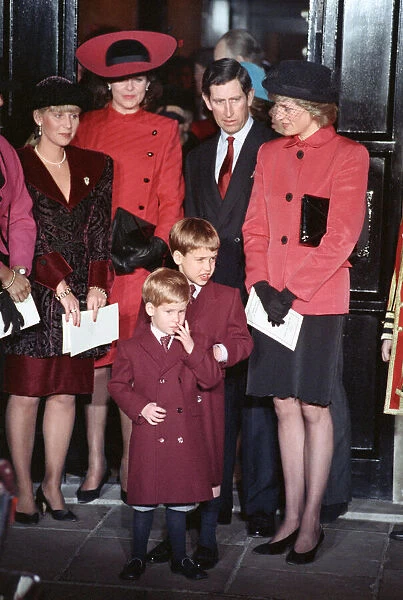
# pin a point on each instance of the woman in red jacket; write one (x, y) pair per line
(148, 182)
(307, 268)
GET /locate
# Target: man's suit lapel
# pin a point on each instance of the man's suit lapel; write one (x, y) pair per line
(241, 176)
(209, 185)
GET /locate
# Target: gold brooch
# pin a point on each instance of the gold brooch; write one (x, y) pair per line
(86, 180)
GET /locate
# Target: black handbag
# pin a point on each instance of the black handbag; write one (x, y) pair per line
(134, 244)
(314, 211)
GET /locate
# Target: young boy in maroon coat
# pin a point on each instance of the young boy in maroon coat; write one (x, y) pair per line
(156, 380)
(217, 310)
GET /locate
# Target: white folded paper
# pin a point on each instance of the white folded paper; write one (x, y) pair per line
(286, 334)
(28, 310)
(91, 333)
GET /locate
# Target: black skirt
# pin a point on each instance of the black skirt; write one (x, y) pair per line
(310, 372)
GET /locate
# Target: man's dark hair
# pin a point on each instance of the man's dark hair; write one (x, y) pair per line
(225, 70)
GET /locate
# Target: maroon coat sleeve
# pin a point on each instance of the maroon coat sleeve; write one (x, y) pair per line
(237, 339)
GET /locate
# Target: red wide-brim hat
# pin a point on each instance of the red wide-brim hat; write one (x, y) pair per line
(125, 53)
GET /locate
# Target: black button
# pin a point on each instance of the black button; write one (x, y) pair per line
(141, 207)
(300, 154)
(288, 197)
(155, 132)
(284, 239)
(179, 410)
(146, 180)
(43, 261)
(150, 153)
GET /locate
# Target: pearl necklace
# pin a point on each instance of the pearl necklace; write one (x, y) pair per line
(55, 164)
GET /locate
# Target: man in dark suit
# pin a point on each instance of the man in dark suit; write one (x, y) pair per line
(219, 179)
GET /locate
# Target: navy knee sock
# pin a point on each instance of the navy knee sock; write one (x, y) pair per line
(208, 523)
(142, 522)
(176, 525)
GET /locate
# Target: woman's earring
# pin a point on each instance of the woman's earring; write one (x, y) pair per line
(147, 87)
(109, 86)
(39, 129)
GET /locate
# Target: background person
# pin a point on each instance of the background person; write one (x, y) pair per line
(240, 45)
(391, 345)
(314, 279)
(148, 182)
(17, 233)
(71, 193)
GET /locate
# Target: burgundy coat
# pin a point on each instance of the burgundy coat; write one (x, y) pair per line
(168, 462)
(73, 243)
(218, 311)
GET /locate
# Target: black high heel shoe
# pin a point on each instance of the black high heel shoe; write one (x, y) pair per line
(59, 514)
(85, 496)
(279, 547)
(303, 558)
(26, 519)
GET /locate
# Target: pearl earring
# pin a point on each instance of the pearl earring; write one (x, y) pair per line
(147, 87)
(39, 129)
(109, 86)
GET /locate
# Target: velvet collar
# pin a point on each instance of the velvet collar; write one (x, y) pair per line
(317, 139)
(86, 168)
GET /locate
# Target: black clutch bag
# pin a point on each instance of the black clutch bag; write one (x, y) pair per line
(314, 210)
(134, 244)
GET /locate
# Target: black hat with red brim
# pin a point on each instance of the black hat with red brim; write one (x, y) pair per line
(124, 53)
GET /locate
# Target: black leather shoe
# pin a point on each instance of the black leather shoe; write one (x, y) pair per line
(224, 516)
(277, 547)
(26, 519)
(85, 496)
(162, 553)
(205, 558)
(261, 525)
(188, 568)
(330, 512)
(303, 558)
(132, 570)
(397, 535)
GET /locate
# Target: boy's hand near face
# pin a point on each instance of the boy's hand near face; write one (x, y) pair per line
(153, 414)
(183, 335)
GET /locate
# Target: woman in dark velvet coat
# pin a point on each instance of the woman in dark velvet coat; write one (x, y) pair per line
(71, 192)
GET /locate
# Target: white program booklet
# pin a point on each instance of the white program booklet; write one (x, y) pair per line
(287, 334)
(91, 333)
(28, 310)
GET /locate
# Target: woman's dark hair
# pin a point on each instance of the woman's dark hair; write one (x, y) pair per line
(97, 88)
(225, 70)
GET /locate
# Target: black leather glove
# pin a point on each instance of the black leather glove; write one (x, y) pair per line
(148, 256)
(276, 304)
(9, 313)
